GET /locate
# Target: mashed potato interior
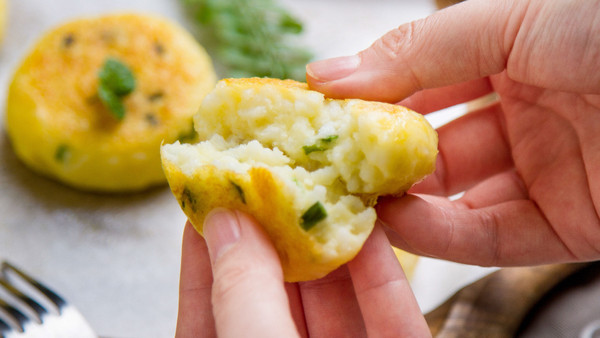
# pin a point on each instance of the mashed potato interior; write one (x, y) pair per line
(372, 147)
(349, 221)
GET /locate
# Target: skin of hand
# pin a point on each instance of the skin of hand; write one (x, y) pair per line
(530, 164)
(231, 285)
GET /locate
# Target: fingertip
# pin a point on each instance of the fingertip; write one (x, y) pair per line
(415, 223)
(221, 231)
(440, 50)
(190, 234)
(328, 70)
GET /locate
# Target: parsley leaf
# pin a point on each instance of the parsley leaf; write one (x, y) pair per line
(112, 102)
(115, 81)
(116, 77)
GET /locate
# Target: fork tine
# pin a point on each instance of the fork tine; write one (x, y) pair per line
(51, 295)
(63, 321)
(18, 316)
(4, 327)
(32, 304)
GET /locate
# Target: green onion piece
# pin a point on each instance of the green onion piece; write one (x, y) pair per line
(240, 191)
(313, 215)
(189, 135)
(313, 148)
(62, 153)
(187, 195)
(329, 139)
(321, 146)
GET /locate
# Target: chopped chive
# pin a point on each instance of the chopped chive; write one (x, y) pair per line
(62, 153)
(312, 148)
(155, 96)
(329, 139)
(68, 40)
(187, 195)
(151, 119)
(159, 48)
(188, 135)
(321, 145)
(239, 191)
(313, 215)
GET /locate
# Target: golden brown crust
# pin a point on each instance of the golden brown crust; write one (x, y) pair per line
(259, 194)
(262, 81)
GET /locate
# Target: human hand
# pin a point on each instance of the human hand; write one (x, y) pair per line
(530, 165)
(248, 298)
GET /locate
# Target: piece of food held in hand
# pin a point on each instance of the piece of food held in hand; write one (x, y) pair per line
(95, 97)
(308, 168)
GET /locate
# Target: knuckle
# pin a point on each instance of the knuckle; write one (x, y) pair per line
(235, 277)
(490, 225)
(393, 44)
(398, 48)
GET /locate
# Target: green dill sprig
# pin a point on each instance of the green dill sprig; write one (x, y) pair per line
(250, 37)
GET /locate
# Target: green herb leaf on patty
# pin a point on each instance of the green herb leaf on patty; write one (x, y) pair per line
(115, 81)
(112, 101)
(116, 77)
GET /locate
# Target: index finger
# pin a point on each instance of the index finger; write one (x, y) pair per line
(465, 42)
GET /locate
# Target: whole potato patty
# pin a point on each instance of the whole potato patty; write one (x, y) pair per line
(95, 97)
(308, 168)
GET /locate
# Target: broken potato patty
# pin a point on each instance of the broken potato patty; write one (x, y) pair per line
(94, 98)
(308, 168)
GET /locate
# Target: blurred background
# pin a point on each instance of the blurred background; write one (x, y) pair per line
(116, 257)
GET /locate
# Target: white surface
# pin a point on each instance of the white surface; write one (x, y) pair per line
(117, 257)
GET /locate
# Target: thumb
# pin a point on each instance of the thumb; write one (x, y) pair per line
(248, 294)
(463, 42)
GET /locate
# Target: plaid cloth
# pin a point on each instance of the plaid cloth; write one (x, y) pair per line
(571, 309)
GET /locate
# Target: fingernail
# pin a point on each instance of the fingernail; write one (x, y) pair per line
(221, 231)
(333, 69)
